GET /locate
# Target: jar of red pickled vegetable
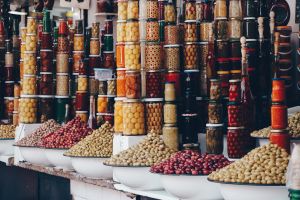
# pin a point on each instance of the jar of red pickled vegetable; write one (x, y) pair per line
(281, 138)
(46, 83)
(81, 101)
(235, 90)
(237, 142)
(133, 84)
(234, 111)
(279, 116)
(278, 90)
(153, 84)
(174, 76)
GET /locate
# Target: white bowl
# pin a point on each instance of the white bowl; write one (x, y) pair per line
(57, 159)
(92, 167)
(34, 155)
(191, 187)
(138, 178)
(254, 192)
(6, 147)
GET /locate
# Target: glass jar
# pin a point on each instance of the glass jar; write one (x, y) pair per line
(9, 106)
(93, 85)
(205, 28)
(133, 84)
(23, 32)
(78, 42)
(28, 109)
(22, 50)
(224, 76)
(60, 107)
(171, 136)
(78, 57)
(82, 103)
(154, 84)
(94, 46)
(9, 88)
(133, 117)
(152, 56)
(31, 41)
(15, 118)
(132, 56)
(190, 56)
(279, 118)
(9, 59)
(30, 66)
(82, 83)
(108, 59)
(235, 9)
(45, 108)
(235, 29)
(102, 87)
(62, 84)
(171, 33)
(220, 9)
(237, 142)
(133, 9)
(17, 90)
(108, 26)
(199, 11)
(214, 138)
(121, 31)
(221, 29)
(170, 113)
(223, 49)
(95, 29)
(62, 62)
(154, 115)
(121, 82)
(235, 116)
(215, 112)
(152, 9)
(161, 25)
(46, 83)
(235, 90)
(190, 31)
(190, 10)
(9, 73)
(83, 115)
(215, 89)
(278, 90)
(161, 10)
(169, 12)
(152, 30)
(250, 28)
(118, 112)
(102, 104)
(122, 10)
(249, 9)
(46, 60)
(111, 87)
(29, 85)
(108, 42)
(281, 138)
(170, 90)
(172, 57)
(94, 62)
(62, 44)
(120, 55)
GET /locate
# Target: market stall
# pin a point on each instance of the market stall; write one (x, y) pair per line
(194, 100)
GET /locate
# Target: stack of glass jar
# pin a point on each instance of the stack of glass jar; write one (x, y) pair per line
(62, 70)
(279, 117)
(107, 87)
(2, 63)
(46, 90)
(29, 100)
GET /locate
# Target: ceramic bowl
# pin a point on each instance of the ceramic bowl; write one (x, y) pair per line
(6, 147)
(56, 158)
(34, 155)
(92, 167)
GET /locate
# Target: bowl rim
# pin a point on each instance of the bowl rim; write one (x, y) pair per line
(189, 175)
(17, 145)
(291, 138)
(7, 138)
(126, 166)
(84, 156)
(249, 184)
(54, 148)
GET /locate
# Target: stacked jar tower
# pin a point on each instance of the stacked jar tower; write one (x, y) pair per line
(279, 117)
(62, 71)
(107, 86)
(29, 99)
(46, 90)
(2, 63)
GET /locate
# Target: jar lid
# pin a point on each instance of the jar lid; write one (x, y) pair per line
(131, 43)
(153, 71)
(234, 80)
(78, 35)
(221, 19)
(214, 125)
(32, 17)
(81, 91)
(284, 131)
(9, 81)
(171, 125)
(251, 40)
(95, 39)
(224, 41)
(190, 21)
(233, 40)
(42, 73)
(82, 76)
(62, 74)
(30, 34)
(191, 145)
(121, 69)
(170, 102)
(15, 112)
(278, 79)
(152, 43)
(132, 71)
(120, 43)
(73, 97)
(233, 103)
(46, 50)
(121, 21)
(235, 71)
(153, 100)
(93, 56)
(236, 128)
(132, 100)
(190, 43)
(199, 98)
(105, 114)
(174, 71)
(46, 96)
(191, 71)
(81, 112)
(75, 74)
(108, 20)
(214, 101)
(170, 24)
(91, 77)
(278, 104)
(249, 18)
(285, 61)
(107, 95)
(29, 75)
(120, 98)
(76, 52)
(29, 96)
(9, 98)
(108, 35)
(132, 20)
(21, 60)
(29, 52)
(61, 97)
(170, 82)
(151, 20)
(215, 80)
(222, 72)
(46, 33)
(108, 52)
(203, 43)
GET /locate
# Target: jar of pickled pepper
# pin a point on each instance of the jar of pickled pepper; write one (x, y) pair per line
(279, 118)
(235, 115)
(235, 90)
(278, 90)
(237, 142)
(133, 84)
(121, 83)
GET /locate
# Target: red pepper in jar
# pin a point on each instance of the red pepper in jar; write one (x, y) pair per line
(235, 90)
(234, 111)
(237, 142)
(153, 84)
(63, 27)
(281, 138)
(278, 90)
(279, 117)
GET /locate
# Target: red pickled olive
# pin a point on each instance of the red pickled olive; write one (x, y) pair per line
(153, 84)
(281, 138)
